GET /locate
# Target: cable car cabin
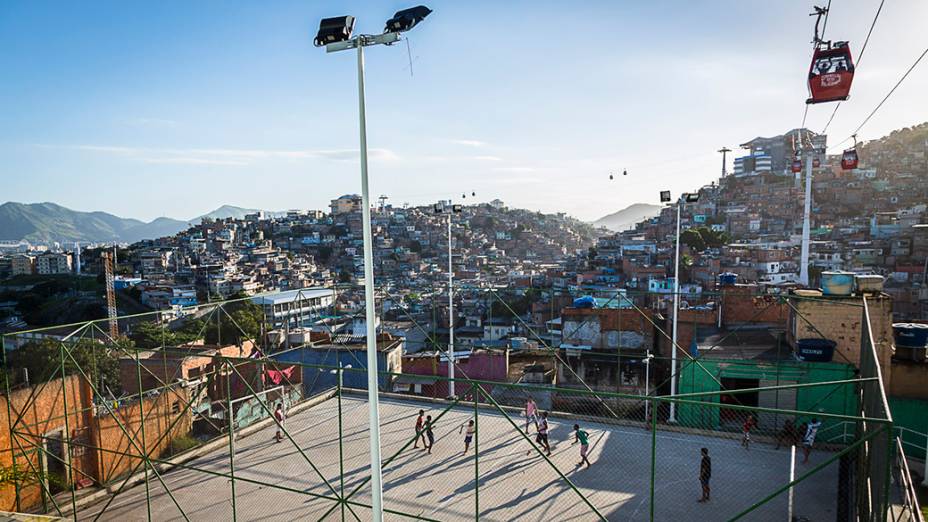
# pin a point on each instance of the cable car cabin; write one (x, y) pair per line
(849, 159)
(797, 166)
(831, 73)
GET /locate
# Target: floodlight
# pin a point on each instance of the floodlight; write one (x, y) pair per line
(691, 198)
(457, 208)
(406, 19)
(331, 30)
(665, 196)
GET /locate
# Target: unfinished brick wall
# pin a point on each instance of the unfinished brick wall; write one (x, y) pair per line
(116, 456)
(37, 412)
(840, 319)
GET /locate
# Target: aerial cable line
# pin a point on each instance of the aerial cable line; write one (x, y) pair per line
(859, 56)
(885, 98)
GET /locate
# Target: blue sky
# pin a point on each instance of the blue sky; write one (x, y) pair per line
(174, 108)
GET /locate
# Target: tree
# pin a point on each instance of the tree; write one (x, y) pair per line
(238, 322)
(693, 239)
(96, 360)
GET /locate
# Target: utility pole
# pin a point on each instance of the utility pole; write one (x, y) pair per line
(450, 313)
(724, 151)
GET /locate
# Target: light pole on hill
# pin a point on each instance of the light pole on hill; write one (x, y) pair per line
(684, 199)
(335, 35)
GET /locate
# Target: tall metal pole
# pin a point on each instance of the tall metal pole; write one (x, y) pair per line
(807, 213)
(450, 315)
(676, 307)
(370, 313)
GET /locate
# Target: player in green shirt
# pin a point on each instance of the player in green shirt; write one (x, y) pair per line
(584, 439)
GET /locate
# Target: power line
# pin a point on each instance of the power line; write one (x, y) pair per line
(859, 56)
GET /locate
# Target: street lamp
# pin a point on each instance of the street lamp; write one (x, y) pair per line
(684, 199)
(454, 209)
(647, 381)
(336, 35)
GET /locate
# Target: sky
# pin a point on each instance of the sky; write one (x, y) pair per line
(174, 108)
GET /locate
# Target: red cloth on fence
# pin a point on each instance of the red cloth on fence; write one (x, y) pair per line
(277, 377)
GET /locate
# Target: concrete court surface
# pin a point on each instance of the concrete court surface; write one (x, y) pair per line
(514, 485)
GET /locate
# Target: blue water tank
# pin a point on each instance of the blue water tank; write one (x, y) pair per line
(815, 350)
(911, 335)
(837, 283)
(586, 301)
(728, 279)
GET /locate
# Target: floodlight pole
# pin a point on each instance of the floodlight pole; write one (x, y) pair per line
(676, 308)
(360, 42)
(450, 312)
(807, 216)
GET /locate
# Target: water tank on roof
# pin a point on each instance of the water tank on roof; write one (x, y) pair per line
(815, 350)
(586, 301)
(728, 279)
(837, 283)
(869, 283)
(911, 341)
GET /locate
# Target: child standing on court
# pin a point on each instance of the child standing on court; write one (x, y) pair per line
(584, 439)
(280, 416)
(420, 420)
(428, 432)
(749, 424)
(469, 436)
(705, 473)
(809, 440)
(531, 413)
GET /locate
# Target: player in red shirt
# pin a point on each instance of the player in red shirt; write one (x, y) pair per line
(749, 424)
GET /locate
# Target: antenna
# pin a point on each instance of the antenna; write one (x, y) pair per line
(724, 151)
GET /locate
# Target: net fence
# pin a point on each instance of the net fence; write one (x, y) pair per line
(198, 418)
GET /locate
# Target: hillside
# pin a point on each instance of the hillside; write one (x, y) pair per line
(49, 222)
(627, 217)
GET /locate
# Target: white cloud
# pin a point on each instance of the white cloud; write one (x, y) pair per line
(515, 169)
(469, 143)
(235, 157)
(488, 158)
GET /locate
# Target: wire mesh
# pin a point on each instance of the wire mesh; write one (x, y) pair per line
(200, 422)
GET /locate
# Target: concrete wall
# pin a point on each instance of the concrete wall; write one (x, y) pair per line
(487, 366)
(909, 381)
(839, 319)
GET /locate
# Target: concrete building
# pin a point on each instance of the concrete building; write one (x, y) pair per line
(346, 204)
(22, 264)
(295, 305)
(52, 263)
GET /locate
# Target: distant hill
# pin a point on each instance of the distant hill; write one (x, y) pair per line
(48, 222)
(627, 217)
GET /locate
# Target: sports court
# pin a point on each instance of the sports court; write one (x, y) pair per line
(513, 485)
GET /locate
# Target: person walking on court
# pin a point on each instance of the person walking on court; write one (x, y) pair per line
(531, 413)
(584, 439)
(280, 416)
(749, 424)
(428, 433)
(809, 439)
(469, 436)
(705, 473)
(420, 420)
(541, 438)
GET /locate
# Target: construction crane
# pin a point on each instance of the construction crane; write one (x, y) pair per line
(110, 293)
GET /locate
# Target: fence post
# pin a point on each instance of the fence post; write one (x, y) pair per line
(138, 376)
(66, 440)
(653, 451)
(341, 454)
(476, 453)
(231, 435)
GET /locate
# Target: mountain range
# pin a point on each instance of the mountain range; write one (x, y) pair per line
(42, 223)
(628, 217)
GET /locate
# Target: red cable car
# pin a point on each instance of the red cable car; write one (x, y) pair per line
(849, 159)
(831, 73)
(797, 166)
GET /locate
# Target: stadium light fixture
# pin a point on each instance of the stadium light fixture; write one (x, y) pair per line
(406, 19)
